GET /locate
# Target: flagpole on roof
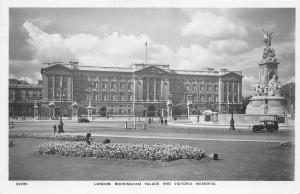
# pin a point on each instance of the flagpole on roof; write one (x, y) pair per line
(146, 44)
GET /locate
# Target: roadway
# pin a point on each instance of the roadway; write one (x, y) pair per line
(110, 128)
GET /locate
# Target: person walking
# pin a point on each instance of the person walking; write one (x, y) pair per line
(232, 123)
(54, 128)
(166, 121)
(161, 120)
(88, 137)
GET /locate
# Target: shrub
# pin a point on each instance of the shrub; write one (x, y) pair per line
(69, 137)
(106, 141)
(154, 152)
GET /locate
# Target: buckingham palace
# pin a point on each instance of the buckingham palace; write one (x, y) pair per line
(146, 89)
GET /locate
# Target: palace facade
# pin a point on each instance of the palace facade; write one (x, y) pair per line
(23, 96)
(114, 90)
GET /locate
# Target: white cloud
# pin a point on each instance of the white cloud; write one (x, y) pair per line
(112, 50)
(228, 46)
(28, 70)
(209, 24)
(41, 22)
(195, 57)
(27, 79)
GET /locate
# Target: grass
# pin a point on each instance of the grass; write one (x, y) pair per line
(240, 161)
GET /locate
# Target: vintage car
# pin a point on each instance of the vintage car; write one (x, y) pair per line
(83, 120)
(266, 126)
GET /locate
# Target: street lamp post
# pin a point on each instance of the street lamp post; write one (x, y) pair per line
(61, 124)
(133, 102)
(169, 105)
(189, 104)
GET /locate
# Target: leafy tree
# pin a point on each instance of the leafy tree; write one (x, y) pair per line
(288, 91)
(245, 101)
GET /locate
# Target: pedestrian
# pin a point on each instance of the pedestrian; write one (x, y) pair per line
(54, 128)
(161, 120)
(166, 121)
(88, 137)
(232, 123)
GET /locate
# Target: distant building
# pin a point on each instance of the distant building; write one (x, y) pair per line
(112, 90)
(22, 97)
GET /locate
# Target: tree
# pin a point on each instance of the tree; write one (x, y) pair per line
(246, 101)
(288, 91)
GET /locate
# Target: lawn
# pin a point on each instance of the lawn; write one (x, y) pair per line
(240, 161)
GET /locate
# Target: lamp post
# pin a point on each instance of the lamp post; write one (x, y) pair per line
(133, 102)
(36, 111)
(189, 104)
(90, 91)
(61, 124)
(169, 105)
(74, 110)
(52, 110)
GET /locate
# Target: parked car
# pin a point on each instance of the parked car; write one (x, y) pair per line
(83, 120)
(266, 126)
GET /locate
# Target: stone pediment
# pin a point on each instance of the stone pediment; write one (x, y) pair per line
(232, 74)
(56, 68)
(151, 70)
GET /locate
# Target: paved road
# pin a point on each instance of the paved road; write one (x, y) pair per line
(116, 129)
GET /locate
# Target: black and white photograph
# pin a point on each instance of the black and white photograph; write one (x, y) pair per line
(151, 96)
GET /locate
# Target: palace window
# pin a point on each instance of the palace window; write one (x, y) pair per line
(96, 85)
(208, 97)
(187, 87)
(104, 96)
(130, 86)
(130, 96)
(201, 98)
(122, 97)
(201, 88)
(193, 99)
(208, 88)
(104, 85)
(120, 111)
(121, 86)
(216, 88)
(113, 97)
(113, 85)
(194, 88)
(216, 98)
(95, 97)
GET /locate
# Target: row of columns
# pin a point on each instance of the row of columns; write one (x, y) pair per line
(232, 83)
(154, 89)
(70, 86)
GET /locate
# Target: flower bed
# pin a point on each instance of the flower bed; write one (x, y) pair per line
(154, 152)
(68, 137)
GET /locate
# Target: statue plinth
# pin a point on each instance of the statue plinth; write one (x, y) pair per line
(272, 105)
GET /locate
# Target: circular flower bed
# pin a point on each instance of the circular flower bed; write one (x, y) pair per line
(154, 152)
(68, 137)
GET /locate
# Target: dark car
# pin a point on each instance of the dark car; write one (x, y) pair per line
(266, 126)
(83, 120)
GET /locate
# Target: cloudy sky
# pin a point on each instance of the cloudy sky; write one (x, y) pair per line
(191, 39)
